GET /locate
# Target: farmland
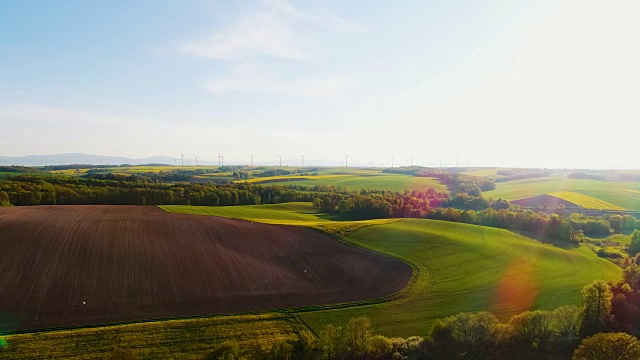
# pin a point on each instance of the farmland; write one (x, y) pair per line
(286, 211)
(176, 339)
(623, 195)
(394, 182)
(585, 201)
(462, 267)
(104, 264)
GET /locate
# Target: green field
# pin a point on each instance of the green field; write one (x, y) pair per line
(461, 268)
(175, 339)
(622, 194)
(469, 268)
(394, 182)
(299, 211)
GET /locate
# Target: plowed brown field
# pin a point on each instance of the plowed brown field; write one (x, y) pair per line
(72, 265)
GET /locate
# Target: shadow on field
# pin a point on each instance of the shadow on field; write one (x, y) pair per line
(563, 244)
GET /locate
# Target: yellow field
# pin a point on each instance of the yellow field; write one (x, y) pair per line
(585, 201)
(175, 339)
(336, 228)
(69, 172)
(287, 177)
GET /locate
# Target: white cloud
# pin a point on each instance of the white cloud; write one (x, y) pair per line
(255, 35)
(274, 30)
(246, 78)
(324, 18)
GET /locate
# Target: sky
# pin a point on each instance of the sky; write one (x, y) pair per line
(513, 83)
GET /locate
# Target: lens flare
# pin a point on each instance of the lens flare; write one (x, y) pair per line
(518, 289)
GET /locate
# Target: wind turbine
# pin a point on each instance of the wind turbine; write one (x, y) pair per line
(220, 157)
(393, 158)
(467, 161)
(411, 159)
(457, 158)
(251, 159)
(197, 160)
(175, 162)
(302, 156)
(182, 159)
(440, 162)
(280, 156)
(346, 158)
(189, 160)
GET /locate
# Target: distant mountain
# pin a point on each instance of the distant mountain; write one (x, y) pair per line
(79, 158)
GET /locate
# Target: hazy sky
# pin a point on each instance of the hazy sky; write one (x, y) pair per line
(504, 83)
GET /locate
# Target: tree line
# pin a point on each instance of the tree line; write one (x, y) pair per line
(604, 326)
(112, 189)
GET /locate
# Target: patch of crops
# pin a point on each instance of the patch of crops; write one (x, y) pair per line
(585, 201)
(175, 339)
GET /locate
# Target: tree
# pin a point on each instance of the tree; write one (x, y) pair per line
(631, 276)
(577, 236)
(380, 347)
(356, 336)
(465, 335)
(4, 199)
(628, 223)
(331, 341)
(501, 204)
(634, 245)
(566, 323)
(317, 204)
(606, 346)
(469, 217)
(615, 222)
(596, 306)
(530, 332)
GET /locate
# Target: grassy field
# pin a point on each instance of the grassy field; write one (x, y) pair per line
(394, 182)
(461, 267)
(299, 211)
(585, 201)
(468, 268)
(294, 214)
(621, 194)
(288, 178)
(175, 339)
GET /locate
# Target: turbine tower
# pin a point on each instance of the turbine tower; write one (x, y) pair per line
(189, 157)
(346, 158)
(251, 155)
(197, 157)
(393, 158)
(220, 157)
(280, 156)
(302, 156)
(411, 159)
(182, 159)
